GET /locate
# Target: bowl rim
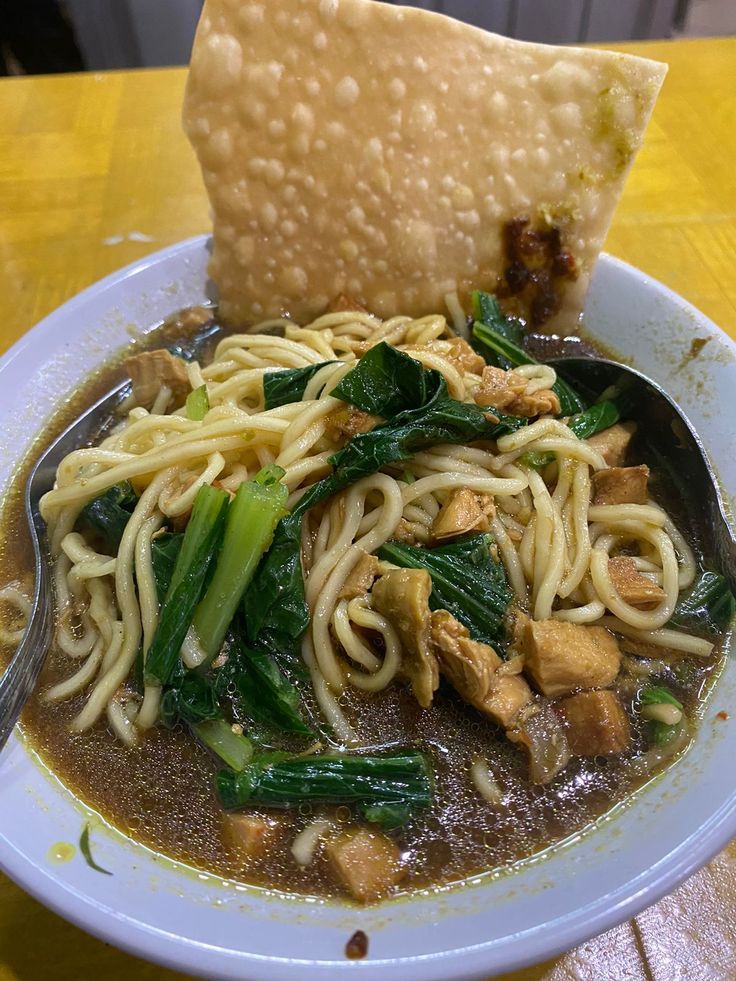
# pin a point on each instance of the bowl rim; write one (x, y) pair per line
(178, 952)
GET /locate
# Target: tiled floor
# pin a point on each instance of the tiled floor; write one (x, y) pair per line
(708, 18)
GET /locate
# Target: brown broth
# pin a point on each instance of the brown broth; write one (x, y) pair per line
(161, 793)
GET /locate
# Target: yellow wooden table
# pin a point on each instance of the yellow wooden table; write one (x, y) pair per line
(95, 172)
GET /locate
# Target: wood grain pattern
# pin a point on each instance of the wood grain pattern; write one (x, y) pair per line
(95, 172)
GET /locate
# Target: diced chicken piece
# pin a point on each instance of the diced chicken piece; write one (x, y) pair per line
(597, 724)
(468, 664)
(411, 532)
(361, 578)
(150, 370)
(561, 657)
(463, 357)
(472, 669)
(621, 485)
(351, 421)
(514, 665)
(506, 391)
(345, 304)
(509, 694)
(402, 596)
(613, 443)
(194, 317)
(631, 585)
(252, 835)
(457, 351)
(463, 511)
(367, 862)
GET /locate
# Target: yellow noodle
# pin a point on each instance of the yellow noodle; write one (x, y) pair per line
(148, 601)
(672, 639)
(554, 545)
(634, 617)
(111, 679)
(363, 616)
(80, 679)
(16, 597)
(120, 723)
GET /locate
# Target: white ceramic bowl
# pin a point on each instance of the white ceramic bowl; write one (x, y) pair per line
(196, 922)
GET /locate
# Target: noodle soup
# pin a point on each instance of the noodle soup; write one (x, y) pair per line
(399, 707)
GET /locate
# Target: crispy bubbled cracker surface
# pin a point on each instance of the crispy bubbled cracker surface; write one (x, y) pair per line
(351, 146)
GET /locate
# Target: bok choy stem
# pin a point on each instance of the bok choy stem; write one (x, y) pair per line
(277, 781)
(255, 511)
(198, 549)
(234, 750)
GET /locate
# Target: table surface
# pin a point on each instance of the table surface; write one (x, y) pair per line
(95, 173)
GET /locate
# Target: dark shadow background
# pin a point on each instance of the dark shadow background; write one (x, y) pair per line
(36, 38)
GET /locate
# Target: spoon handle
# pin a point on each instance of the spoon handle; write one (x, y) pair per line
(22, 673)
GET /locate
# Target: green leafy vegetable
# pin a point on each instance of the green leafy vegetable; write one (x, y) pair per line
(198, 549)
(442, 420)
(659, 733)
(164, 552)
(191, 699)
(487, 312)
(85, 849)
(494, 346)
(584, 424)
(258, 506)
(109, 513)
(709, 606)
(197, 404)
(283, 387)
(466, 581)
(266, 695)
(275, 609)
(234, 749)
(595, 419)
(658, 695)
(273, 780)
(388, 816)
(537, 461)
(274, 606)
(386, 382)
(194, 700)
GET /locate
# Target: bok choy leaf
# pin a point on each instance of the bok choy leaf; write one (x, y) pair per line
(709, 606)
(486, 311)
(234, 749)
(403, 781)
(109, 513)
(265, 694)
(198, 550)
(594, 420)
(386, 381)
(466, 581)
(288, 385)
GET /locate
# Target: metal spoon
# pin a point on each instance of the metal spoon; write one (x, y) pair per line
(22, 673)
(673, 437)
